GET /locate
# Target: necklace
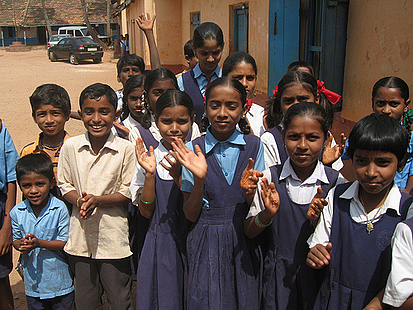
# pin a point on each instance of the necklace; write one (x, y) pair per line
(51, 147)
(369, 224)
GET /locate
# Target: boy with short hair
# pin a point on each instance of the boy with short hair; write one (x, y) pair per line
(51, 106)
(94, 174)
(40, 231)
(190, 57)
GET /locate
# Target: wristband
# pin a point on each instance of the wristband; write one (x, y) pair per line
(258, 222)
(146, 202)
(77, 202)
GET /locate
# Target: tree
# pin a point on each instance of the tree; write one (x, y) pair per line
(49, 28)
(92, 30)
(108, 6)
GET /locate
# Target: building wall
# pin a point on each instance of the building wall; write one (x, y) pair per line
(379, 39)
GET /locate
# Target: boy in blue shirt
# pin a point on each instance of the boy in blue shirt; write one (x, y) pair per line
(40, 231)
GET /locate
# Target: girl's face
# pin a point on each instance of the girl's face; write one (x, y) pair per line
(245, 74)
(158, 88)
(174, 122)
(224, 109)
(135, 103)
(375, 171)
(293, 94)
(304, 141)
(209, 56)
(389, 101)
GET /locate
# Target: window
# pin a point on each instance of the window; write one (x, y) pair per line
(195, 20)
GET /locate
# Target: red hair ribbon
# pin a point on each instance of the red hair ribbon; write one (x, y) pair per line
(275, 91)
(331, 96)
(249, 103)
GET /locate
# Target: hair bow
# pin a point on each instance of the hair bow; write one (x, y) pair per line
(249, 103)
(275, 91)
(331, 96)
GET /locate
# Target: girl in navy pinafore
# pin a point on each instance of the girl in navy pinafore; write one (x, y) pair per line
(155, 189)
(355, 227)
(221, 273)
(288, 283)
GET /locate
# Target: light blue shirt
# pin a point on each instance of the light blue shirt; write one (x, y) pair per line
(201, 78)
(8, 159)
(227, 153)
(401, 178)
(46, 272)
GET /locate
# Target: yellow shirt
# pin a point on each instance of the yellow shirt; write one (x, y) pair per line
(104, 235)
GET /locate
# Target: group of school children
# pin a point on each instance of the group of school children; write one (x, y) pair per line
(209, 200)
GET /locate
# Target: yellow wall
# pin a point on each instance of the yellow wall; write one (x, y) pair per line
(379, 42)
(173, 29)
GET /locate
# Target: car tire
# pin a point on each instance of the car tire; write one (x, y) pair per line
(52, 56)
(73, 59)
(97, 60)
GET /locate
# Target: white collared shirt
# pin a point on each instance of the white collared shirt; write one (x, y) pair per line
(322, 231)
(399, 285)
(255, 116)
(298, 191)
(138, 178)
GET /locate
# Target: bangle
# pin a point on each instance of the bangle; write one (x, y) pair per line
(77, 202)
(146, 202)
(258, 222)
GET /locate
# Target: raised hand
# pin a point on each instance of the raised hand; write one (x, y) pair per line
(319, 256)
(194, 162)
(123, 129)
(270, 197)
(145, 22)
(147, 162)
(249, 178)
(331, 154)
(316, 206)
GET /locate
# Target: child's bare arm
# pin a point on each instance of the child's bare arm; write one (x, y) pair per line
(316, 206)
(195, 163)
(89, 202)
(6, 237)
(319, 256)
(256, 224)
(146, 201)
(376, 303)
(249, 180)
(146, 24)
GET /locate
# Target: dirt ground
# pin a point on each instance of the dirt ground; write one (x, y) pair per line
(21, 73)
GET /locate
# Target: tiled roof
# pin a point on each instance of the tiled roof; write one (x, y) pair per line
(60, 12)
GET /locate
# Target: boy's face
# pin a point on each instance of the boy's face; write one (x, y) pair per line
(51, 120)
(98, 116)
(127, 72)
(191, 61)
(35, 188)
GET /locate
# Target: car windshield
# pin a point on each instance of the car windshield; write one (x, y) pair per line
(85, 41)
(55, 38)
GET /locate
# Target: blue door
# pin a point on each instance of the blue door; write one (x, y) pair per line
(241, 28)
(284, 38)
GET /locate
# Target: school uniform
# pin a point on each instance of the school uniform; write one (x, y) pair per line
(194, 83)
(160, 275)
(360, 259)
(399, 285)
(255, 117)
(221, 272)
(401, 178)
(8, 159)
(288, 283)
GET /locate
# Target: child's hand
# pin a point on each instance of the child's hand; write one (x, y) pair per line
(28, 243)
(89, 203)
(194, 162)
(174, 167)
(119, 127)
(316, 206)
(249, 178)
(331, 154)
(147, 162)
(319, 256)
(145, 22)
(270, 197)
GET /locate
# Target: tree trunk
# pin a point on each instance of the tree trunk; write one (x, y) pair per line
(108, 6)
(92, 30)
(49, 28)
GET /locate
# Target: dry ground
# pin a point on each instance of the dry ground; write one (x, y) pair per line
(21, 73)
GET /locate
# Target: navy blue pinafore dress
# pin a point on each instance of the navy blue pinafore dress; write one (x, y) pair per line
(288, 283)
(220, 269)
(192, 89)
(160, 275)
(360, 262)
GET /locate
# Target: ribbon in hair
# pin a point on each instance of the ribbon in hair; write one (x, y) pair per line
(275, 91)
(249, 103)
(331, 96)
